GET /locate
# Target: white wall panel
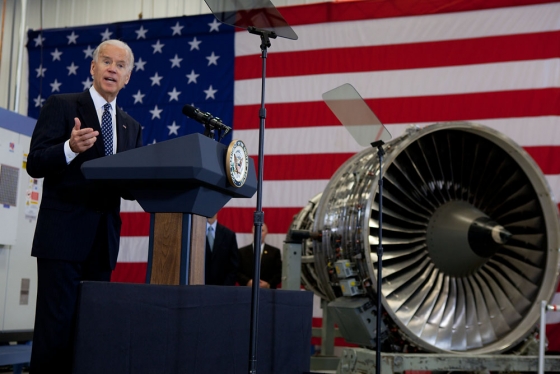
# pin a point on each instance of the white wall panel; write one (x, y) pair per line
(9, 53)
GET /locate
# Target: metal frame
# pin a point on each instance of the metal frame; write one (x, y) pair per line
(359, 360)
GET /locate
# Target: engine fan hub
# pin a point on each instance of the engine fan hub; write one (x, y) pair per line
(461, 238)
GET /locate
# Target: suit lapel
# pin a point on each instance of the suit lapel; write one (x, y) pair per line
(89, 118)
(122, 131)
(218, 238)
(265, 254)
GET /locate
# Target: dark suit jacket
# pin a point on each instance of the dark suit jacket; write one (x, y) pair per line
(271, 265)
(72, 207)
(222, 262)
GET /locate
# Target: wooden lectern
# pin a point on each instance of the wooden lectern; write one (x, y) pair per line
(180, 182)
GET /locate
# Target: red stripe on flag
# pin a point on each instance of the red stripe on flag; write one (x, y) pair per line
(135, 224)
(323, 166)
(130, 272)
(374, 9)
(547, 157)
(487, 105)
(395, 57)
(458, 107)
(553, 331)
(240, 220)
(285, 115)
(302, 167)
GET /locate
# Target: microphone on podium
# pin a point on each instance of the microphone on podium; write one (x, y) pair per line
(208, 120)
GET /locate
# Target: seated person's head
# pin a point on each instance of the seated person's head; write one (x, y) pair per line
(212, 219)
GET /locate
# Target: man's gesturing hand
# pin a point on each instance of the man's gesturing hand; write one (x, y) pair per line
(82, 139)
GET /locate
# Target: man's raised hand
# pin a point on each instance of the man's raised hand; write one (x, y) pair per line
(82, 139)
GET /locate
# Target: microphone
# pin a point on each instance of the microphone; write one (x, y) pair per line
(206, 119)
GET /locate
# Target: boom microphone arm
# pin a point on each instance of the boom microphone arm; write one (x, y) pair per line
(208, 120)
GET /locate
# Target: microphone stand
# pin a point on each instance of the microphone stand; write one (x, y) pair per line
(258, 217)
(209, 131)
(380, 152)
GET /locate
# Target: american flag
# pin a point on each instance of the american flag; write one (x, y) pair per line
(494, 62)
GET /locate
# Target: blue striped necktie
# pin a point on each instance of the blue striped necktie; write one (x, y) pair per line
(107, 129)
(210, 237)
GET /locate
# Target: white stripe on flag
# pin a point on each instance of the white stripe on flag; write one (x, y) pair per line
(504, 76)
(275, 240)
(338, 140)
(133, 249)
(554, 185)
(283, 194)
(400, 30)
(296, 193)
(130, 206)
(554, 317)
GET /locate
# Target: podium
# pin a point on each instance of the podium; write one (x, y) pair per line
(162, 328)
(179, 182)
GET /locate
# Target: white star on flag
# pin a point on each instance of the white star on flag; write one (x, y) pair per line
(55, 86)
(140, 64)
(88, 52)
(56, 54)
(40, 71)
(87, 83)
(156, 112)
(72, 69)
(176, 61)
(192, 77)
(177, 29)
(39, 40)
(141, 32)
(106, 35)
(210, 92)
(214, 26)
(212, 59)
(158, 47)
(195, 43)
(138, 97)
(72, 38)
(174, 95)
(39, 101)
(156, 79)
(173, 129)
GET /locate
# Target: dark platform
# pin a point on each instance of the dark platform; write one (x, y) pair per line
(142, 328)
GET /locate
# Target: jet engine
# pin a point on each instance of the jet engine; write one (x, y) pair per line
(469, 238)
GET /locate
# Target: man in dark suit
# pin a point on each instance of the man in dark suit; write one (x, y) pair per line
(222, 254)
(271, 264)
(78, 227)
